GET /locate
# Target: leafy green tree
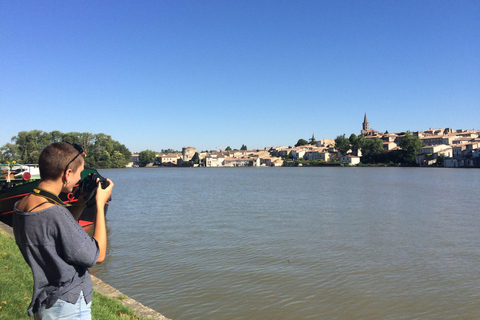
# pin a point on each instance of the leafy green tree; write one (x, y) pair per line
(196, 158)
(127, 155)
(228, 148)
(103, 159)
(342, 144)
(301, 142)
(72, 137)
(356, 142)
(56, 136)
(372, 150)
(30, 143)
(99, 148)
(410, 145)
(147, 156)
(244, 147)
(9, 152)
(440, 160)
(117, 160)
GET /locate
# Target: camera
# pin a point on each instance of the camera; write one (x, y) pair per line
(87, 188)
(89, 184)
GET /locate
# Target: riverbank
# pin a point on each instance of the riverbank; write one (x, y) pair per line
(16, 289)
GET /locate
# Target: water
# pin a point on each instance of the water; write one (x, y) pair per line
(296, 243)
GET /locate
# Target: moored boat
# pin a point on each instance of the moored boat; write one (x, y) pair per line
(80, 201)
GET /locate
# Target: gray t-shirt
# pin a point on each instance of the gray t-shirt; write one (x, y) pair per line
(58, 251)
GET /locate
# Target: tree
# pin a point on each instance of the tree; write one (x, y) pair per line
(196, 158)
(301, 142)
(372, 150)
(99, 148)
(147, 156)
(9, 152)
(117, 160)
(356, 142)
(312, 140)
(440, 160)
(228, 148)
(342, 144)
(30, 143)
(410, 145)
(244, 147)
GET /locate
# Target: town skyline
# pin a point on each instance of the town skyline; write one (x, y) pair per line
(443, 147)
(165, 74)
(364, 127)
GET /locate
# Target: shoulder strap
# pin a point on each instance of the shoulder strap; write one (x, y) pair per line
(49, 196)
(41, 204)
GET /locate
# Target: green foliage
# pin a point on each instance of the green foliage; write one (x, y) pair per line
(228, 148)
(356, 142)
(301, 142)
(101, 150)
(244, 147)
(440, 160)
(9, 152)
(410, 145)
(106, 308)
(372, 150)
(176, 151)
(288, 157)
(147, 156)
(342, 144)
(16, 283)
(196, 158)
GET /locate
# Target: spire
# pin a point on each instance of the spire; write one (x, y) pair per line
(365, 125)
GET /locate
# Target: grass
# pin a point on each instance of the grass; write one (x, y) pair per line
(16, 284)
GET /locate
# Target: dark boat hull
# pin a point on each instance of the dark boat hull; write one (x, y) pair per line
(9, 195)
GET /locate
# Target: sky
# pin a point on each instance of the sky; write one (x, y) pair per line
(174, 73)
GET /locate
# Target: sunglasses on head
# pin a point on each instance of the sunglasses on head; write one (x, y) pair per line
(80, 151)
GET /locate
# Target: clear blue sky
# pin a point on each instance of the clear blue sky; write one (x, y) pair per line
(168, 74)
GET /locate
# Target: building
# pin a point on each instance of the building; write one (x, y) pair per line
(365, 125)
(169, 159)
(188, 153)
(214, 160)
(428, 155)
(242, 162)
(366, 131)
(352, 160)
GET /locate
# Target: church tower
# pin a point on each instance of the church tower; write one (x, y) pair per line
(366, 125)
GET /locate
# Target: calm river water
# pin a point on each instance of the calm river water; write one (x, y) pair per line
(296, 243)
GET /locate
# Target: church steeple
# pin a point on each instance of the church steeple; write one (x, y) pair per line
(365, 126)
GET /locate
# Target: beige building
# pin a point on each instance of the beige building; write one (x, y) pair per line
(170, 158)
(214, 160)
(428, 155)
(352, 160)
(188, 153)
(318, 155)
(242, 162)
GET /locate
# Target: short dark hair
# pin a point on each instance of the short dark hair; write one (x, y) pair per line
(55, 157)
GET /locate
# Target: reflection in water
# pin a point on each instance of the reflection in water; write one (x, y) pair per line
(296, 243)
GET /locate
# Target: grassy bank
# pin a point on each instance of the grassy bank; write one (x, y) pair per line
(16, 288)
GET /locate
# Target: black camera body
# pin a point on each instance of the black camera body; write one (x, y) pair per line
(88, 187)
(89, 184)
